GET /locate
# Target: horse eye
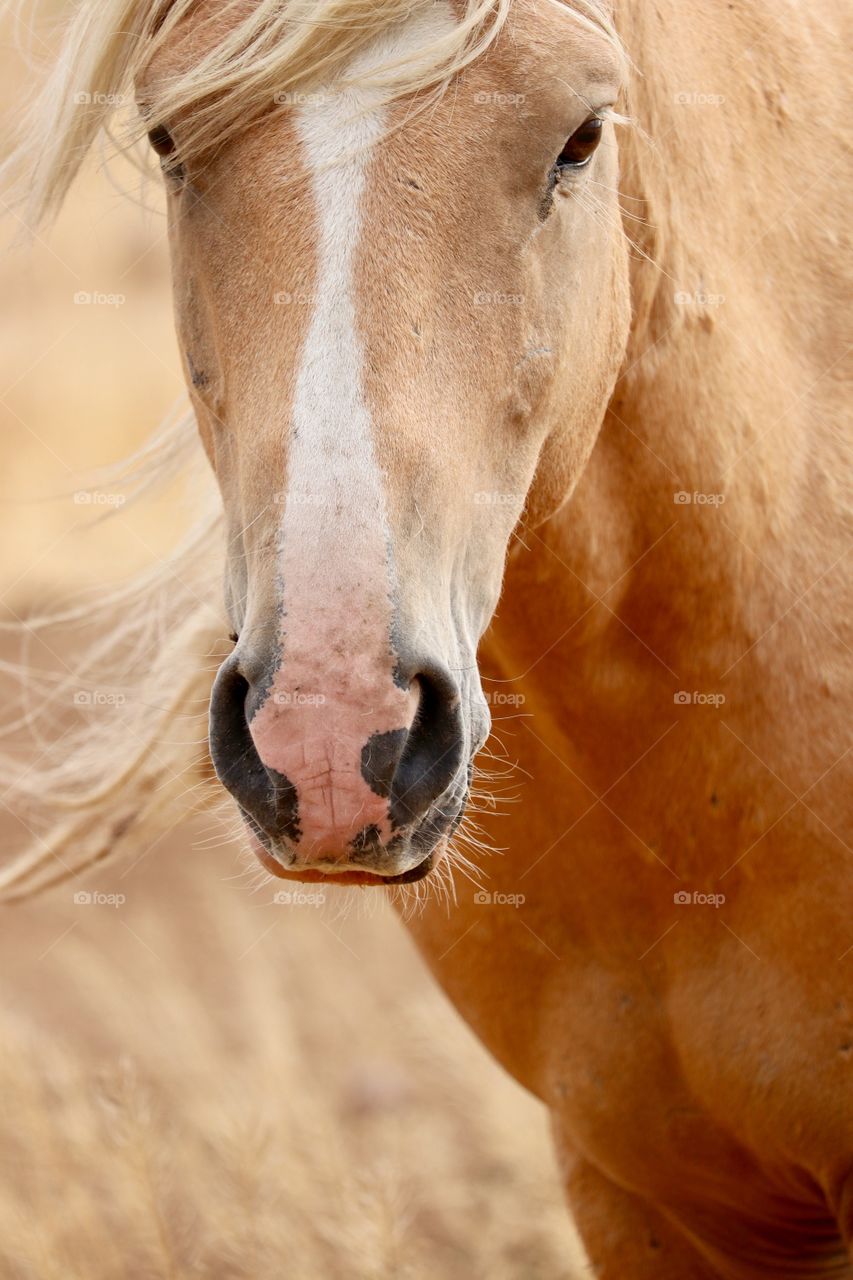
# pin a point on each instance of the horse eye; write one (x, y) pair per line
(580, 147)
(161, 140)
(163, 144)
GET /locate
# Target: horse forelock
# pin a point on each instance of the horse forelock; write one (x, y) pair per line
(219, 69)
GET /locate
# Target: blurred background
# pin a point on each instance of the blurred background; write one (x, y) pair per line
(197, 1079)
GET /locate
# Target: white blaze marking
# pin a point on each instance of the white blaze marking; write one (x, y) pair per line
(335, 686)
(333, 478)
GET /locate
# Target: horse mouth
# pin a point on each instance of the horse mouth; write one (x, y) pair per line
(347, 876)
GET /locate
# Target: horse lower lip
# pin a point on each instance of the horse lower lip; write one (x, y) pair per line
(415, 874)
(353, 876)
(347, 878)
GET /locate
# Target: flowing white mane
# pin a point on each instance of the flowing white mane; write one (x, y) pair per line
(258, 51)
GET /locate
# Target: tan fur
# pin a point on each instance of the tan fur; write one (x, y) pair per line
(696, 1059)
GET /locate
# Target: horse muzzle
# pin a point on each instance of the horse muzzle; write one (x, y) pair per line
(359, 780)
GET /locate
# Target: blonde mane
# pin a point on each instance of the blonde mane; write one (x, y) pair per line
(160, 638)
(272, 49)
(276, 48)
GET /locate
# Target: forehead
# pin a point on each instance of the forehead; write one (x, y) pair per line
(545, 38)
(542, 44)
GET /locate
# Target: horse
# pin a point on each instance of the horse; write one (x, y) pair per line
(511, 332)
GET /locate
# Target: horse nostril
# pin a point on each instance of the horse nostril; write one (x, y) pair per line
(230, 739)
(432, 752)
(319, 796)
(267, 797)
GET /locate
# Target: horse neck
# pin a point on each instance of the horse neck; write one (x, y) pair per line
(721, 396)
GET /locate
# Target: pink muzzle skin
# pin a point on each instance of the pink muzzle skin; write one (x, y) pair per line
(319, 727)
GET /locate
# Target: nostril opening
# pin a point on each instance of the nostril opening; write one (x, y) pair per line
(267, 796)
(230, 740)
(429, 702)
(239, 692)
(433, 749)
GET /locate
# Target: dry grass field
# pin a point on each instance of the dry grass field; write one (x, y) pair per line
(199, 1081)
(196, 1080)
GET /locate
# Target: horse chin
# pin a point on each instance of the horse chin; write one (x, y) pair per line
(312, 875)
